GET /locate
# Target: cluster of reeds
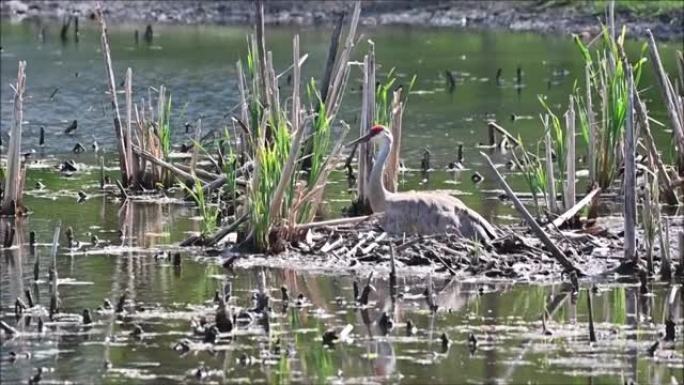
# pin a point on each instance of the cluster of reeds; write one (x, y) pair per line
(673, 101)
(209, 212)
(605, 91)
(281, 191)
(271, 170)
(144, 143)
(606, 84)
(612, 136)
(380, 104)
(390, 104)
(535, 175)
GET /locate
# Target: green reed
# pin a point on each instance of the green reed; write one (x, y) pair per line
(557, 139)
(607, 80)
(208, 212)
(533, 171)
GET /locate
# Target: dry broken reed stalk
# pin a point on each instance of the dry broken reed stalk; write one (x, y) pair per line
(111, 84)
(366, 122)
(569, 196)
(15, 174)
(553, 248)
(673, 102)
(390, 105)
(550, 179)
(630, 173)
(656, 162)
(151, 132)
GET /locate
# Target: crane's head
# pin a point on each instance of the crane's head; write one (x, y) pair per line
(376, 133)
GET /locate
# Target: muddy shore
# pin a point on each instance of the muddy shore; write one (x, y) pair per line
(538, 16)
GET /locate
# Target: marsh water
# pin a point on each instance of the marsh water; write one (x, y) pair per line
(197, 64)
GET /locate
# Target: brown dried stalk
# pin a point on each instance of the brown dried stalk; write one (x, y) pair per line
(14, 178)
(111, 83)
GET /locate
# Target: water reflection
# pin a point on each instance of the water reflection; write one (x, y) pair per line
(504, 319)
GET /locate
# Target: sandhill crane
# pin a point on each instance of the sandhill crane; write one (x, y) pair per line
(419, 212)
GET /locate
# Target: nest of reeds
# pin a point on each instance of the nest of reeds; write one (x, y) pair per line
(516, 255)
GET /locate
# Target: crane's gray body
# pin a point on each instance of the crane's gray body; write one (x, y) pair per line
(421, 212)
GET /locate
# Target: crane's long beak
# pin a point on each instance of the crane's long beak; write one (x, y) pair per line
(362, 139)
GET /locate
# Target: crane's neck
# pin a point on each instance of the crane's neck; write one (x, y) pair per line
(377, 193)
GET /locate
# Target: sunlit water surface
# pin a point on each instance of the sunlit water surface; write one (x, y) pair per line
(66, 82)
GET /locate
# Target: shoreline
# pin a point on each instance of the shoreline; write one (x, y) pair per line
(527, 16)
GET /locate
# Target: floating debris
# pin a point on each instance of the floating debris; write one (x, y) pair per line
(446, 342)
(410, 328)
(87, 318)
(477, 177)
(72, 127)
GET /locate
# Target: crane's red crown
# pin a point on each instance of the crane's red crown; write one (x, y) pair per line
(377, 129)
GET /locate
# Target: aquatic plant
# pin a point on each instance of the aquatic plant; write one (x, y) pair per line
(230, 163)
(277, 197)
(557, 133)
(606, 79)
(533, 171)
(163, 122)
(121, 135)
(321, 138)
(208, 212)
(383, 99)
(389, 109)
(673, 102)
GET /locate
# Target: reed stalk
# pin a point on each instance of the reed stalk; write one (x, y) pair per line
(196, 144)
(391, 177)
(555, 251)
(111, 83)
(281, 192)
(558, 140)
(261, 52)
(298, 132)
(341, 74)
(588, 113)
(533, 171)
(208, 213)
(550, 180)
(664, 242)
(245, 136)
(607, 79)
(570, 157)
(680, 240)
(12, 199)
(366, 121)
(673, 103)
(630, 174)
(128, 86)
(654, 156)
(649, 217)
(321, 115)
